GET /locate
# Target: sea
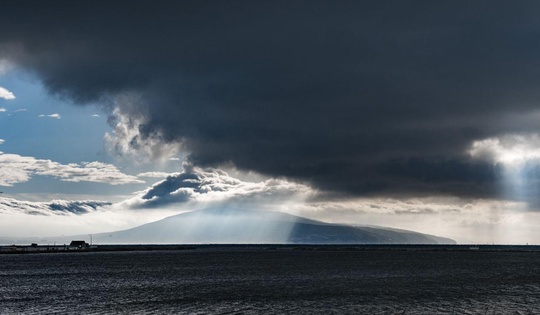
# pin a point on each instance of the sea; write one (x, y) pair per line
(270, 280)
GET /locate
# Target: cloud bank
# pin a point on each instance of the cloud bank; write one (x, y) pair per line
(363, 98)
(55, 207)
(467, 220)
(15, 169)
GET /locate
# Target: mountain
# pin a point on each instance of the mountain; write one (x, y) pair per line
(236, 226)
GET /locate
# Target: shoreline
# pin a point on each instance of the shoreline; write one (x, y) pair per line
(44, 249)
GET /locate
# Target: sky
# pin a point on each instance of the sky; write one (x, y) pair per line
(418, 115)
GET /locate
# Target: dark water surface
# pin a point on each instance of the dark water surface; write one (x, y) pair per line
(271, 281)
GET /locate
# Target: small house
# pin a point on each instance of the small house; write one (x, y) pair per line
(79, 244)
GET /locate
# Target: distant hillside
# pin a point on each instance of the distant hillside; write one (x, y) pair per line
(235, 226)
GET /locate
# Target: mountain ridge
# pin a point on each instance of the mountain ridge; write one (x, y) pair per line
(240, 226)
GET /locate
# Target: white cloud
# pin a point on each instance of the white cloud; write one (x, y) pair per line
(56, 116)
(18, 169)
(20, 110)
(153, 174)
(3, 110)
(508, 149)
(206, 186)
(5, 94)
(95, 116)
(126, 141)
(2, 141)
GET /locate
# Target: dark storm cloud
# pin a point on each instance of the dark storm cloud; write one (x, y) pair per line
(355, 96)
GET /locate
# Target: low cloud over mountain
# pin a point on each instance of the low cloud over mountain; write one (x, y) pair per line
(210, 185)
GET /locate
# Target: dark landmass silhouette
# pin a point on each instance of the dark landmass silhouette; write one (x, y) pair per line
(237, 226)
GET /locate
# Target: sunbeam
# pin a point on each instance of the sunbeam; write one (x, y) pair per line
(518, 157)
